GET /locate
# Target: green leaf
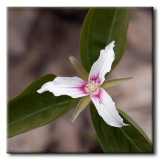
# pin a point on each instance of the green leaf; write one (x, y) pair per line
(31, 110)
(82, 104)
(79, 69)
(109, 83)
(128, 139)
(102, 26)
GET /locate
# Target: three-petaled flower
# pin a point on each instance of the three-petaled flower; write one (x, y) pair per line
(93, 89)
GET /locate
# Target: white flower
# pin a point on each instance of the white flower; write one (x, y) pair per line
(77, 87)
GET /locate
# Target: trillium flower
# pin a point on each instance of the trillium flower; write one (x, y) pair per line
(90, 87)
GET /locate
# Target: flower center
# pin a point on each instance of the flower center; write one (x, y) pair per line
(92, 87)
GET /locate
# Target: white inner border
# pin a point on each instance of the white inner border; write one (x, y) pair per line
(70, 3)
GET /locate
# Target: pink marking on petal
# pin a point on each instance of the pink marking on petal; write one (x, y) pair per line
(99, 81)
(98, 95)
(81, 87)
(96, 78)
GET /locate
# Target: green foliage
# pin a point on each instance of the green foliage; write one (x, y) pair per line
(128, 139)
(30, 109)
(109, 83)
(82, 104)
(79, 69)
(102, 26)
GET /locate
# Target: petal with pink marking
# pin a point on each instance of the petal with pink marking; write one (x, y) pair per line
(106, 109)
(71, 86)
(103, 64)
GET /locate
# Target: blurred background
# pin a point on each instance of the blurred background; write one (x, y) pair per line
(39, 40)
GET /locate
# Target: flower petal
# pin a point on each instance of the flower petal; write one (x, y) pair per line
(71, 86)
(106, 109)
(103, 64)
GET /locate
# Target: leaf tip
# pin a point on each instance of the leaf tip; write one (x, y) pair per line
(69, 55)
(72, 120)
